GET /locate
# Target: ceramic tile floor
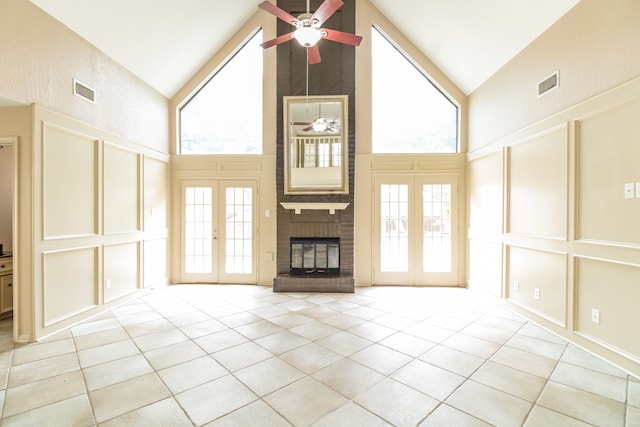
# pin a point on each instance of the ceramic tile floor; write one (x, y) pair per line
(243, 355)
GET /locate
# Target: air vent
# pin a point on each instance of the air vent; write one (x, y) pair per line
(84, 91)
(548, 84)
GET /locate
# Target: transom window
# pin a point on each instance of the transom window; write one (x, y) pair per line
(225, 115)
(409, 113)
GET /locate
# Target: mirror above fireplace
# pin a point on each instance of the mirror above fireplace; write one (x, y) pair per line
(316, 145)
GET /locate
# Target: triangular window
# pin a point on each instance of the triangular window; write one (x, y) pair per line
(225, 115)
(409, 113)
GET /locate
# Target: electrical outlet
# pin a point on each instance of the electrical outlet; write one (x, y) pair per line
(595, 316)
(107, 283)
(629, 190)
(516, 286)
(536, 293)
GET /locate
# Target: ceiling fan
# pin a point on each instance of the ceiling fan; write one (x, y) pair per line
(308, 31)
(319, 125)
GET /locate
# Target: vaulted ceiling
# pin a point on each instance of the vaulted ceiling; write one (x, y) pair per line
(166, 42)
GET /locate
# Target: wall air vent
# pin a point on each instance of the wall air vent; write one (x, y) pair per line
(84, 91)
(549, 83)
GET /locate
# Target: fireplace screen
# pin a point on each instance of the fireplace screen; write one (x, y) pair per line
(315, 256)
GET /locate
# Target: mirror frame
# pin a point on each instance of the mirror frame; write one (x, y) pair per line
(291, 188)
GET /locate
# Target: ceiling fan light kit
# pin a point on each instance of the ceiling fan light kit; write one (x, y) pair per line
(307, 36)
(308, 31)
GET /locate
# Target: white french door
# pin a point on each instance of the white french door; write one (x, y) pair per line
(416, 230)
(218, 231)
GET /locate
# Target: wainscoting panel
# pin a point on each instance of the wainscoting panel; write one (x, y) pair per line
(537, 185)
(121, 190)
(485, 266)
(608, 157)
(121, 273)
(69, 284)
(70, 182)
(485, 190)
(600, 283)
(156, 193)
(156, 264)
(542, 282)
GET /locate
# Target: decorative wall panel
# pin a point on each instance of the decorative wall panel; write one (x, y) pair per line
(69, 182)
(69, 283)
(121, 273)
(544, 271)
(485, 189)
(600, 285)
(608, 157)
(485, 266)
(156, 270)
(537, 185)
(121, 190)
(156, 193)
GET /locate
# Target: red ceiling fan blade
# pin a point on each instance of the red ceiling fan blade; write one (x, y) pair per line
(326, 9)
(314, 54)
(341, 37)
(276, 11)
(278, 40)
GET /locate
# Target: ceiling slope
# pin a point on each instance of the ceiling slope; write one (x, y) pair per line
(166, 42)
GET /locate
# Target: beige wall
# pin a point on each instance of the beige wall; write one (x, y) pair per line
(40, 59)
(259, 170)
(369, 166)
(88, 176)
(101, 226)
(594, 47)
(546, 181)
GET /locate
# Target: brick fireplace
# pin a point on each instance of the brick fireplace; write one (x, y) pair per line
(318, 216)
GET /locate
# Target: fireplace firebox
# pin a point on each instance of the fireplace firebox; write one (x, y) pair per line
(315, 256)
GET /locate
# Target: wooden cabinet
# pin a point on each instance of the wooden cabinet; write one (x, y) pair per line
(6, 285)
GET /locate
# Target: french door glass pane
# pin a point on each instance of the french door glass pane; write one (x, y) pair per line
(436, 231)
(394, 218)
(238, 224)
(198, 243)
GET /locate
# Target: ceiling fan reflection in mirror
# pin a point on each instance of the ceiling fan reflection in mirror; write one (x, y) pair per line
(320, 125)
(308, 28)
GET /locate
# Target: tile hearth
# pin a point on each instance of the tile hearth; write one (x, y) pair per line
(231, 355)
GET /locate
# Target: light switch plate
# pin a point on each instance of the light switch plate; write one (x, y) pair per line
(637, 190)
(629, 190)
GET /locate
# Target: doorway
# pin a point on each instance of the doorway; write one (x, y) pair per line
(8, 225)
(218, 232)
(416, 230)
